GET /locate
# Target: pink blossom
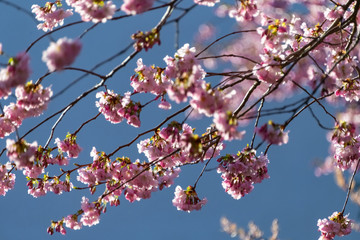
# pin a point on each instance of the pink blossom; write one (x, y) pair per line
(186, 71)
(16, 72)
(37, 188)
(246, 11)
(227, 125)
(69, 146)
(21, 153)
(58, 187)
(209, 3)
(208, 101)
(6, 127)
(4, 92)
(205, 32)
(148, 79)
(164, 105)
(91, 213)
(350, 90)
(136, 6)
(134, 121)
(241, 172)
(347, 153)
(34, 171)
(86, 176)
(96, 11)
(71, 221)
(166, 178)
(325, 168)
(98, 171)
(273, 133)
(269, 70)
(15, 114)
(109, 103)
(343, 132)
(191, 146)
(33, 98)
(7, 180)
(269, 74)
(115, 108)
(332, 14)
(336, 225)
(61, 54)
(130, 110)
(187, 200)
(58, 159)
(51, 15)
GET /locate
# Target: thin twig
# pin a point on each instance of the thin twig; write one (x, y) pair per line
(350, 184)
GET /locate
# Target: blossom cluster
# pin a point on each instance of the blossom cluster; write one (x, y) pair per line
(187, 200)
(16, 73)
(175, 137)
(273, 133)
(61, 54)
(52, 15)
(146, 40)
(95, 11)
(32, 100)
(242, 171)
(69, 146)
(33, 160)
(42, 158)
(7, 180)
(209, 3)
(135, 179)
(183, 77)
(136, 6)
(346, 145)
(148, 79)
(21, 153)
(246, 11)
(278, 57)
(115, 108)
(336, 225)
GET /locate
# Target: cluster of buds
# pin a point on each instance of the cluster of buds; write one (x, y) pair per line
(146, 40)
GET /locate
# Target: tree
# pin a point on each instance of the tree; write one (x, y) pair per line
(222, 100)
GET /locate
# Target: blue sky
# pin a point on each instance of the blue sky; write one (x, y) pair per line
(293, 194)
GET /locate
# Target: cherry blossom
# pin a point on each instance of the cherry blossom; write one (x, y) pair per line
(33, 98)
(91, 213)
(61, 54)
(186, 71)
(69, 146)
(240, 172)
(246, 11)
(95, 11)
(187, 200)
(148, 79)
(209, 3)
(34, 171)
(71, 221)
(115, 108)
(336, 225)
(136, 6)
(275, 52)
(7, 180)
(51, 15)
(273, 133)
(16, 73)
(21, 153)
(227, 125)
